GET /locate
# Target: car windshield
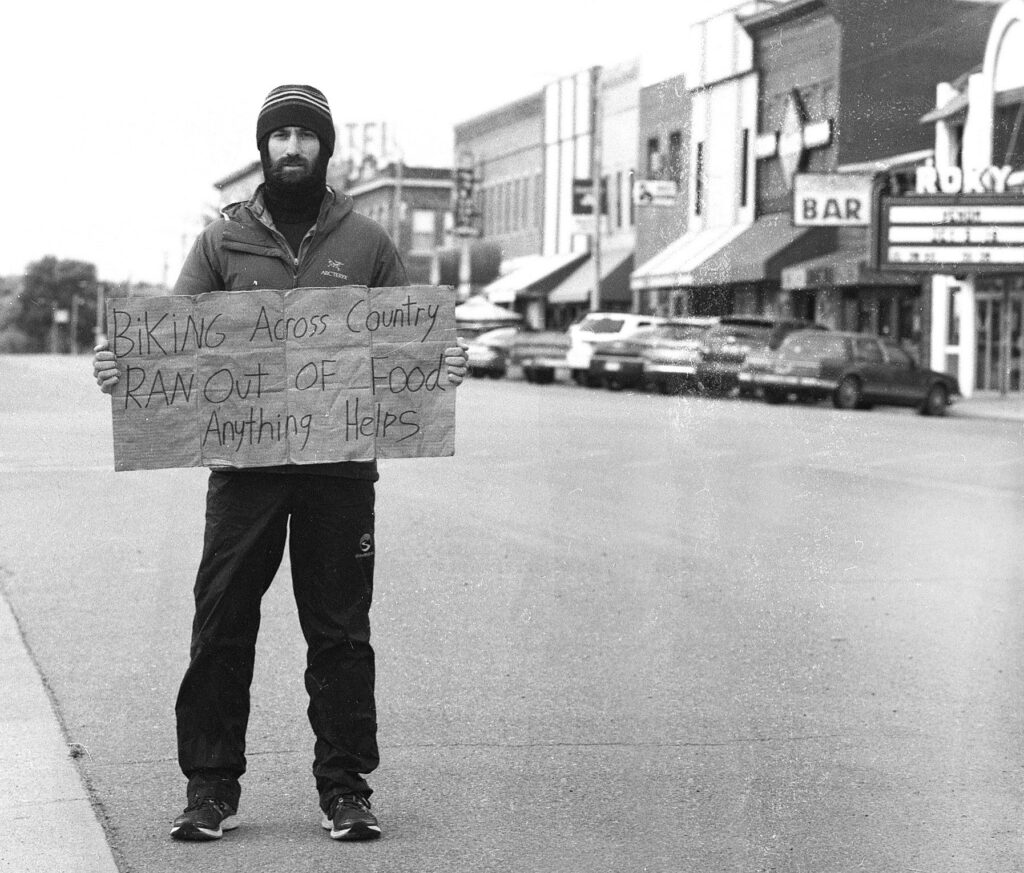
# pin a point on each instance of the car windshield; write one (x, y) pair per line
(813, 345)
(601, 325)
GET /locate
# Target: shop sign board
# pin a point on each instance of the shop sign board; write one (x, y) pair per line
(465, 206)
(832, 199)
(945, 234)
(655, 192)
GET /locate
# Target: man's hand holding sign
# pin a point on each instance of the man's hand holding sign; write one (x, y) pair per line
(312, 375)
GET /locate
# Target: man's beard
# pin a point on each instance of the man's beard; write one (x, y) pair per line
(292, 189)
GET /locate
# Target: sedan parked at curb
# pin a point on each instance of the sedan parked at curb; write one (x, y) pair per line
(727, 345)
(670, 359)
(855, 370)
(488, 353)
(621, 363)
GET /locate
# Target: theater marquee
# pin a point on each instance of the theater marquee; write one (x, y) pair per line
(973, 233)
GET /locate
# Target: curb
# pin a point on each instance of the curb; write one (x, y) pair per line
(39, 783)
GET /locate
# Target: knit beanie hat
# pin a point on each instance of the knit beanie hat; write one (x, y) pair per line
(297, 106)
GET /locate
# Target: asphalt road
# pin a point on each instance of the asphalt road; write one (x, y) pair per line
(616, 632)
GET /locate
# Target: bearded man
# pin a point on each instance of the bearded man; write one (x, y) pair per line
(294, 232)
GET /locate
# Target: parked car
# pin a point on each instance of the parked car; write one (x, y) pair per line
(488, 352)
(856, 370)
(619, 363)
(727, 345)
(598, 327)
(669, 361)
(539, 354)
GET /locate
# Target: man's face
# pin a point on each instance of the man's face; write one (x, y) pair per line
(293, 152)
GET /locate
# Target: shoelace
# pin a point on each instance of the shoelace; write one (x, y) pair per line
(220, 805)
(352, 801)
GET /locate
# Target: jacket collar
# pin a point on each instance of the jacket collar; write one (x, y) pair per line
(332, 210)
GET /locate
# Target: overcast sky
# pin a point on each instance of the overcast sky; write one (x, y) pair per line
(121, 116)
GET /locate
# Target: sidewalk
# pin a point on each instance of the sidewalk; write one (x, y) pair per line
(990, 404)
(50, 823)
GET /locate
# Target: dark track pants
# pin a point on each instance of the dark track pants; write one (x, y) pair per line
(330, 526)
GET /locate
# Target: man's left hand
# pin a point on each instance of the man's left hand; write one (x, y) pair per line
(457, 362)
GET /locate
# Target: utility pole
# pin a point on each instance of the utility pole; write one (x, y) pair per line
(98, 329)
(75, 301)
(595, 174)
(397, 205)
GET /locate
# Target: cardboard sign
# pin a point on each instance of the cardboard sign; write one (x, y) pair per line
(258, 378)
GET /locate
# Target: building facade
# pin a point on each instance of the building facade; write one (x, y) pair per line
(715, 174)
(607, 98)
(661, 195)
(414, 204)
(976, 287)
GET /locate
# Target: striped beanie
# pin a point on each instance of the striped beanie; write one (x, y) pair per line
(296, 106)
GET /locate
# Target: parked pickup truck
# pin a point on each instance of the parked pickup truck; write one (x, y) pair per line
(538, 354)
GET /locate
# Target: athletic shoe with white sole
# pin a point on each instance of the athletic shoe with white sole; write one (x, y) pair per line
(351, 819)
(204, 820)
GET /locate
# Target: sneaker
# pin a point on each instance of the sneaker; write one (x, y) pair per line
(206, 819)
(351, 819)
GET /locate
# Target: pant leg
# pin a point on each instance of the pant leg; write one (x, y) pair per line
(246, 523)
(332, 555)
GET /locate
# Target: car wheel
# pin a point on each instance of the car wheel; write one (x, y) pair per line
(774, 396)
(495, 374)
(612, 383)
(847, 394)
(544, 376)
(935, 401)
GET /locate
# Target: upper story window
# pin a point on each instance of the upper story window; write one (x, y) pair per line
(675, 155)
(654, 158)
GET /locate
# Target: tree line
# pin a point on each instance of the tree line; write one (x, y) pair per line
(52, 306)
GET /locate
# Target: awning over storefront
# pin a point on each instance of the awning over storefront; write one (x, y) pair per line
(762, 250)
(956, 106)
(477, 309)
(673, 266)
(534, 275)
(616, 265)
(848, 264)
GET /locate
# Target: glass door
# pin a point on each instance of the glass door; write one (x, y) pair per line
(1000, 341)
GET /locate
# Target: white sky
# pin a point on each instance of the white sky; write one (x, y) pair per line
(120, 116)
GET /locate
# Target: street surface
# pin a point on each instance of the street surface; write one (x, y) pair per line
(617, 632)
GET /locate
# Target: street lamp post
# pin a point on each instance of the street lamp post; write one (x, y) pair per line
(595, 172)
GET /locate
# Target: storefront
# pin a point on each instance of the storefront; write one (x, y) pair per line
(973, 254)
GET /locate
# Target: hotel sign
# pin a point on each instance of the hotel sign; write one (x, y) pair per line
(973, 233)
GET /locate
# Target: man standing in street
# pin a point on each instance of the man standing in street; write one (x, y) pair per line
(295, 232)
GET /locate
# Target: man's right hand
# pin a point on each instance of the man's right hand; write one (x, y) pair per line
(104, 367)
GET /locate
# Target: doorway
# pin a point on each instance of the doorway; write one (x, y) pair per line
(1000, 341)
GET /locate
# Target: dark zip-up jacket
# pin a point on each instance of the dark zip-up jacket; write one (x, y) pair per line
(243, 251)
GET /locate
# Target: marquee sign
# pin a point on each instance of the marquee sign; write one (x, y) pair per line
(973, 233)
